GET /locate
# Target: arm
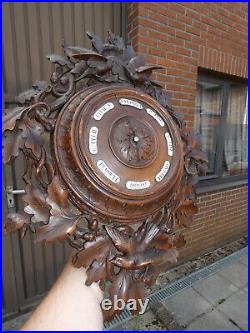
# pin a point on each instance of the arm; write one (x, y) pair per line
(69, 305)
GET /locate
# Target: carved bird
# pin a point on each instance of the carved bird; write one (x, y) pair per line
(136, 249)
(138, 71)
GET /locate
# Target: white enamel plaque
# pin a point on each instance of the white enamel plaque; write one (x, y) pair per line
(156, 117)
(131, 185)
(102, 110)
(163, 172)
(125, 101)
(102, 166)
(93, 140)
(170, 144)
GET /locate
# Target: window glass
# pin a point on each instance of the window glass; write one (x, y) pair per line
(235, 145)
(221, 118)
(207, 119)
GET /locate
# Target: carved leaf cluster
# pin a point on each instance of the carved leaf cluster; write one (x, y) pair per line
(138, 255)
(127, 257)
(48, 213)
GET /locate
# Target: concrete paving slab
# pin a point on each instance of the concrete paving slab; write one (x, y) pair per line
(165, 317)
(235, 308)
(186, 306)
(212, 321)
(215, 288)
(236, 273)
(244, 260)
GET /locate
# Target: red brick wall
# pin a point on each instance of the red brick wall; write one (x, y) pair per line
(183, 37)
(222, 217)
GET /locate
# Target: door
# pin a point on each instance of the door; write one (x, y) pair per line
(30, 32)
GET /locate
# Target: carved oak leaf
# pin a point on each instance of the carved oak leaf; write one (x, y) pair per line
(19, 221)
(64, 217)
(192, 140)
(96, 42)
(33, 132)
(150, 275)
(10, 117)
(185, 212)
(126, 287)
(40, 85)
(16, 221)
(12, 143)
(37, 88)
(198, 155)
(26, 132)
(59, 60)
(195, 159)
(37, 206)
(177, 240)
(177, 117)
(57, 229)
(167, 241)
(13, 135)
(97, 249)
(163, 97)
(22, 131)
(25, 97)
(196, 162)
(97, 271)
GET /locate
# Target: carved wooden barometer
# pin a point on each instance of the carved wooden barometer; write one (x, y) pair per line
(110, 165)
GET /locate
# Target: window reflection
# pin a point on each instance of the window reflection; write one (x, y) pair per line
(221, 119)
(208, 113)
(235, 148)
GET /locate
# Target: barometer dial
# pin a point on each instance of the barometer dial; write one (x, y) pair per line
(121, 151)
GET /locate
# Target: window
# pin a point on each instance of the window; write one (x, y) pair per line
(221, 119)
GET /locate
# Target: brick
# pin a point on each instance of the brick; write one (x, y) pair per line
(183, 51)
(181, 37)
(193, 30)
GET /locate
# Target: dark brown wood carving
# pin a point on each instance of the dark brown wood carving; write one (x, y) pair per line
(110, 166)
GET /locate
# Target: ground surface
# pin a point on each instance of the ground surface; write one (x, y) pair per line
(218, 302)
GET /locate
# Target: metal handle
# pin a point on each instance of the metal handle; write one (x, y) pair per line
(15, 191)
(10, 196)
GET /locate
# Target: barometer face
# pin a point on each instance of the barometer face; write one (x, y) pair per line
(118, 150)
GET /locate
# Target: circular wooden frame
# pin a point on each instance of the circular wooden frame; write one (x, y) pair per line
(79, 168)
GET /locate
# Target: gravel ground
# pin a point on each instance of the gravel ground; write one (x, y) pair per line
(198, 263)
